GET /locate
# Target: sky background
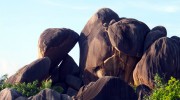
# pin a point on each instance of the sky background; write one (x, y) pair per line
(22, 22)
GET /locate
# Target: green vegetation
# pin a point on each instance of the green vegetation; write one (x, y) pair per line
(165, 91)
(29, 89)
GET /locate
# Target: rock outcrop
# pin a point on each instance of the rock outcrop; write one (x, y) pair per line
(115, 54)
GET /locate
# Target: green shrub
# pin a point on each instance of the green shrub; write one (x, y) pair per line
(165, 91)
(30, 89)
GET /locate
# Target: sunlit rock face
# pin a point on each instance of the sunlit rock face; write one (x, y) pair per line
(163, 58)
(111, 46)
(55, 43)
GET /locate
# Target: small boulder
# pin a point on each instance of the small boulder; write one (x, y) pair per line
(142, 90)
(74, 82)
(156, 33)
(71, 92)
(65, 97)
(21, 98)
(46, 94)
(9, 94)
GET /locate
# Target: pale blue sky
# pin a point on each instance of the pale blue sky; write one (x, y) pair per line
(22, 22)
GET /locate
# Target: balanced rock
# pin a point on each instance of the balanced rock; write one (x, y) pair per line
(106, 88)
(55, 43)
(37, 70)
(162, 58)
(9, 94)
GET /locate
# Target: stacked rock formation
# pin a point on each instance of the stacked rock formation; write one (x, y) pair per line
(115, 54)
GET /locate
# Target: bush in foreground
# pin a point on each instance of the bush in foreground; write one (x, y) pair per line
(165, 91)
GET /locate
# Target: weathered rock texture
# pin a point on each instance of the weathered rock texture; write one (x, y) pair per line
(163, 58)
(106, 88)
(37, 70)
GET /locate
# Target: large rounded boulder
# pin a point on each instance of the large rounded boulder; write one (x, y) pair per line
(128, 36)
(37, 70)
(94, 43)
(162, 58)
(55, 43)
